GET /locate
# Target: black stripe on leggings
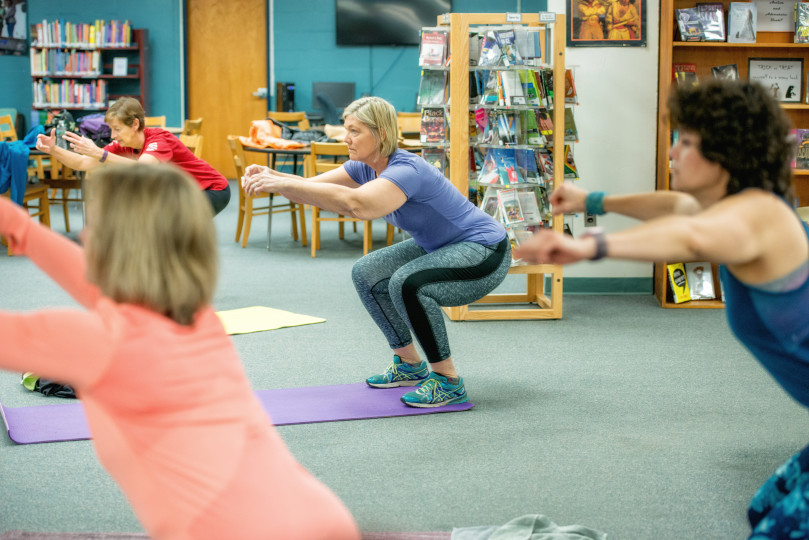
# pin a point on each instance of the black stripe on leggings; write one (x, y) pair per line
(415, 312)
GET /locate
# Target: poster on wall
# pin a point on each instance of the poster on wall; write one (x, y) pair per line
(13, 27)
(606, 23)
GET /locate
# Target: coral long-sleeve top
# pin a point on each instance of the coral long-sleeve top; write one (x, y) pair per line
(173, 417)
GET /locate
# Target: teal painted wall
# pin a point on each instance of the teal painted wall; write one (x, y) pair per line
(303, 53)
(308, 53)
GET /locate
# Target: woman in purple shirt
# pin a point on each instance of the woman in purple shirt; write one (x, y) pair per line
(457, 254)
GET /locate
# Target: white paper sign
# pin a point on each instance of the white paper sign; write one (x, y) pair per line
(120, 66)
(775, 15)
(782, 76)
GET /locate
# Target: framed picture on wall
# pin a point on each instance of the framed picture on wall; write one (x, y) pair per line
(782, 76)
(606, 23)
(13, 27)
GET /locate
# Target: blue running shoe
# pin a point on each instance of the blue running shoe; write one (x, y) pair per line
(400, 374)
(436, 391)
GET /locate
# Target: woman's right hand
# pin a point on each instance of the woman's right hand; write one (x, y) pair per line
(255, 170)
(45, 143)
(568, 199)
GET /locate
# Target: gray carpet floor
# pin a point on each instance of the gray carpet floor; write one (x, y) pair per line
(641, 422)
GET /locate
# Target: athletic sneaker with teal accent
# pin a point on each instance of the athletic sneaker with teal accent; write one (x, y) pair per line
(436, 391)
(400, 373)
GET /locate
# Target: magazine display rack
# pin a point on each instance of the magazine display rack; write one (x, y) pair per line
(75, 70)
(542, 298)
(702, 57)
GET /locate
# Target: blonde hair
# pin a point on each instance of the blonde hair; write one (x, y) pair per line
(152, 240)
(380, 117)
(126, 110)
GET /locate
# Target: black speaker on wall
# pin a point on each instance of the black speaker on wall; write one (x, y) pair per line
(285, 97)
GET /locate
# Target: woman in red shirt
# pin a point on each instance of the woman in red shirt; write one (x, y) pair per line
(133, 141)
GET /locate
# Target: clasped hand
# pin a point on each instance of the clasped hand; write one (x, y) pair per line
(550, 247)
(258, 179)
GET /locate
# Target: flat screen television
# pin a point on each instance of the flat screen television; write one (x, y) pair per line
(386, 22)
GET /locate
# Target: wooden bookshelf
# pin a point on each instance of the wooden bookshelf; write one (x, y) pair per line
(707, 55)
(135, 83)
(542, 298)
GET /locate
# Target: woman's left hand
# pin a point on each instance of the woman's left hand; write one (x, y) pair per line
(83, 145)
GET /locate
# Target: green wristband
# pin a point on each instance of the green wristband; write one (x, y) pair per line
(594, 203)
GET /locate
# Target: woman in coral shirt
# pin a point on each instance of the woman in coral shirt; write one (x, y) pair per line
(172, 414)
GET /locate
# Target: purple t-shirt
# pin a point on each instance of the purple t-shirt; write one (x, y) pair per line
(435, 213)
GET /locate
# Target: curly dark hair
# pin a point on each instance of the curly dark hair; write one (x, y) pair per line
(742, 128)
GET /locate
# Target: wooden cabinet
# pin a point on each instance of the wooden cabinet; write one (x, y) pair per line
(78, 75)
(542, 298)
(706, 55)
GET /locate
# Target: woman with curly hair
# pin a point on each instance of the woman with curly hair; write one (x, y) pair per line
(731, 204)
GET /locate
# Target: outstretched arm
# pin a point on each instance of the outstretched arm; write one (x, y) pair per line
(754, 233)
(371, 200)
(78, 162)
(60, 258)
(65, 345)
(569, 198)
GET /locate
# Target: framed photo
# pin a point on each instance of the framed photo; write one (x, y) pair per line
(606, 23)
(14, 27)
(782, 76)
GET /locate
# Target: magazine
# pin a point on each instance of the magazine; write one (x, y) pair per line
(700, 280)
(433, 50)
(509, 203)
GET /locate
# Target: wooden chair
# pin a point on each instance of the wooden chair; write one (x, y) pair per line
(192, 127)
(193, 142)
(298, 118)
(155, 121)
(248, 209)
(326, 157)
(409, 124)
(61, 179)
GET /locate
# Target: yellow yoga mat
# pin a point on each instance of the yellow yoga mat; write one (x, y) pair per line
(260, 318)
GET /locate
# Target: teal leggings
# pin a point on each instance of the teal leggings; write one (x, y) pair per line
(404, 288)
(780, 508)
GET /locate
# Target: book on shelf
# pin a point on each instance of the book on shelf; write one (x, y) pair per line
(506, 40)
(571, 131)
(801, 22)
(489, 203)
(120, 66)
(544, 163)
(571, 171)
(728, 72)
(699, 277)
(490, 93)
(489, 51)
(489, 173)
(528, 80)
(527, 165)
(509, 203)
(529, 206)
(512, 88)
(432, 87)
(507, 166)
(528, 45)
(570, 88)
(433, 47)
(684, 74)
(433, 125)
(742, 17)
(801, 148)
(678, 282)
(507, 126)
(544, 122)
(475, 44)
(690, 25)
(712, 17)
(436, 157)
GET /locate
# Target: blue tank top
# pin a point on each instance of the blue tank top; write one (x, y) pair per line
(774, 326)
(435, 214)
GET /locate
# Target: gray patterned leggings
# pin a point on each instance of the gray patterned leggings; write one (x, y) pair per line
(403, 288)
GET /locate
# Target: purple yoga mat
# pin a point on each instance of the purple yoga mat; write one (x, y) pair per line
(286, 406)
